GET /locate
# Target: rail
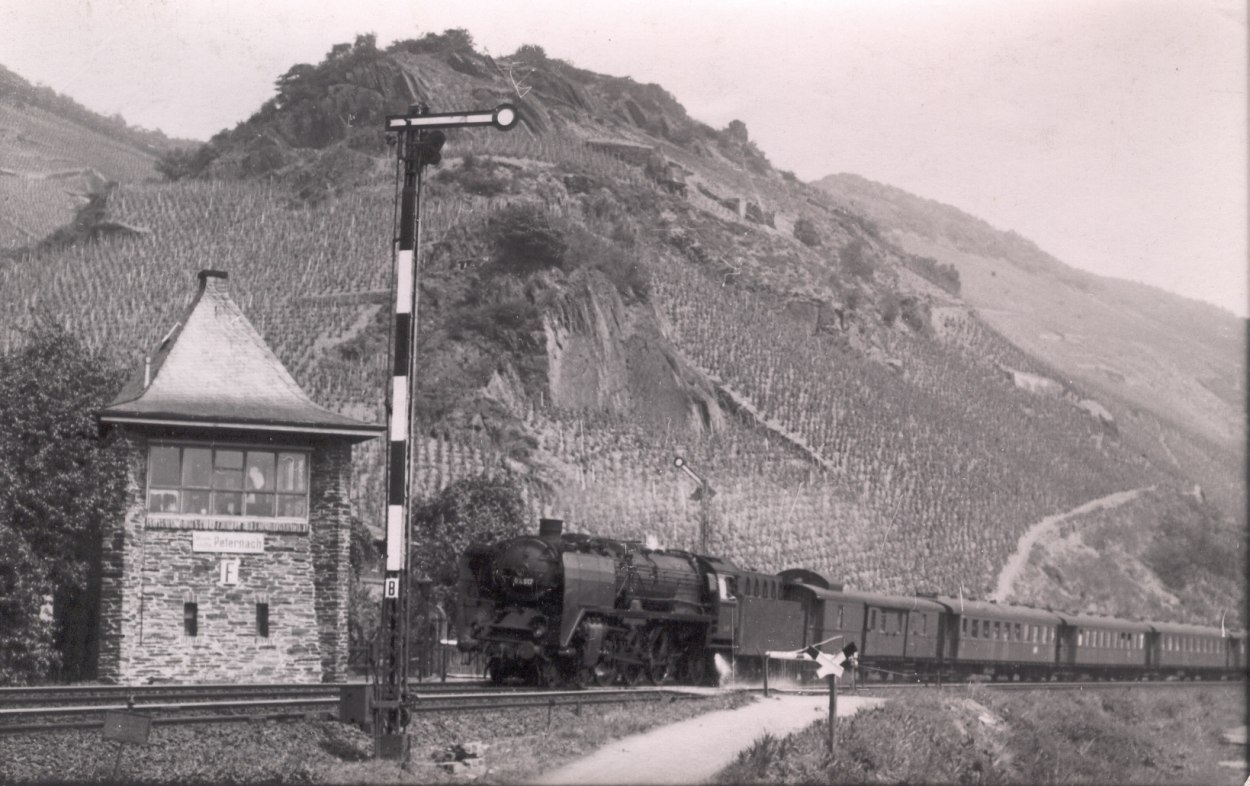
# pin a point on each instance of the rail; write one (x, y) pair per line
(79, 707)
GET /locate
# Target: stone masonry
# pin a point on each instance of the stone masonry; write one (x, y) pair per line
(149, 574)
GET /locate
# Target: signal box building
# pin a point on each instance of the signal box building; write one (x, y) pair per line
(231, 564)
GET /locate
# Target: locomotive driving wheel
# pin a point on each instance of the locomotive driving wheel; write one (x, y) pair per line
(635, 650)
(660, 656)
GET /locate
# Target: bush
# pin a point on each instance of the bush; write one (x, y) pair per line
(476, 176)
(512, 325)
(889, 308)
(526, 240)
(183, 162)
(628, 275)
(1194, 545)
(805, 232)
(943, 275)
(854, 256)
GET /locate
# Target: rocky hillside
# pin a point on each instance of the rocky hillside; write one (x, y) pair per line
(56, 156)
(612, 284)
(1137, 347)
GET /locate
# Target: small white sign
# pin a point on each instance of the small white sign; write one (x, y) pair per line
(229, 572)
(229, 542)
(392, 588)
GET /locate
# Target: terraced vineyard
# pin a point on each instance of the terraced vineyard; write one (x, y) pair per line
(922, 476)
(871, 427)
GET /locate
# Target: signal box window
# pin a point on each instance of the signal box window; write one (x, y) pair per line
(190, 619)
(227, 481)
(262, 620)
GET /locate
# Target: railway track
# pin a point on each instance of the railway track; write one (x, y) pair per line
(878, 688)
(84, 707)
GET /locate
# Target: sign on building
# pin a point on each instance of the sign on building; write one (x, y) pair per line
(228, 542)
(229, 572)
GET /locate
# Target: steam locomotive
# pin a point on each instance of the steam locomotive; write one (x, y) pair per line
(573, 609)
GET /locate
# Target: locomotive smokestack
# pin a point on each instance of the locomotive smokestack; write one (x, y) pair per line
(550, 528)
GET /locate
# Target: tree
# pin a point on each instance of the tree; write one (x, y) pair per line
(26, 634)
(362, 609)
(183, 162)
(59, 480)
(473, 510)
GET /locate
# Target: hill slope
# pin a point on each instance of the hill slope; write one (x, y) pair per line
(55, 155)
(610, 285)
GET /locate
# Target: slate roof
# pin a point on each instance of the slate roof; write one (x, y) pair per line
(214, 370)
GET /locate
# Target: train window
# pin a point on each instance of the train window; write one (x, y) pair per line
(976, 632)
(998, 633)
(963, 626)
(1080, 638)
(841, 625)
(872, 619)
(1017, 632)
(886, 617)
(924, 624)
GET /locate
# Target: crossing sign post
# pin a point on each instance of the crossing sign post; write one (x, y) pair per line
(419, 143)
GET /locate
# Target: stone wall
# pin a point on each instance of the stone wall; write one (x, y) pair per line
(150, 571)
(330, 521)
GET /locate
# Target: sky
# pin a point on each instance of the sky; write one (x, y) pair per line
(1113, 133)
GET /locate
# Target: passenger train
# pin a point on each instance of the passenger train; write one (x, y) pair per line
(572, 609)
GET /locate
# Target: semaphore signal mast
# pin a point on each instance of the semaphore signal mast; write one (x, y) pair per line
(420, 141)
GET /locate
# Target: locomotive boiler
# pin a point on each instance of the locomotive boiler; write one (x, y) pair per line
(561, 608)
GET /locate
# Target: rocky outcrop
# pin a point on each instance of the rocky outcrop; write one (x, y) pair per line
(608, 356)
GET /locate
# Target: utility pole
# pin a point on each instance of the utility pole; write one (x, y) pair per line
(420, 140)
(704, 493)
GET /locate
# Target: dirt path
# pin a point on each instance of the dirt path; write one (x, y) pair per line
(696, 749)
(1011, 571)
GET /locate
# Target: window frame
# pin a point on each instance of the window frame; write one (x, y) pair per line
(245, 448)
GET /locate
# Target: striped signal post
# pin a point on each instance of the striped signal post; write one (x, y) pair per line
(420, 139)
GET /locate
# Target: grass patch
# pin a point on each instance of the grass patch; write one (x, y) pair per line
(521, 744)
(982, 736)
